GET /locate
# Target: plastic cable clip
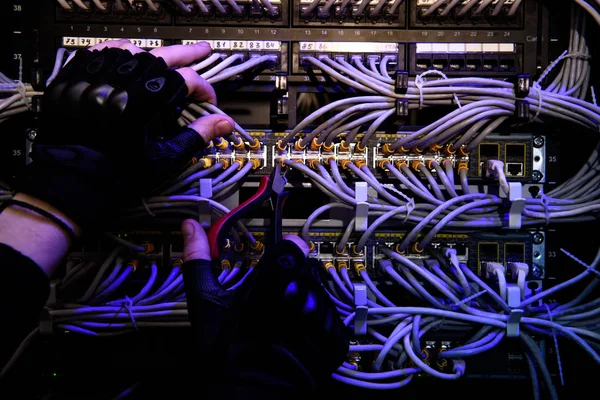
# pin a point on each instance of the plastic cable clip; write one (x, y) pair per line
(361, 218)
(281, 81)
(401, 107)
(522, 110)
(53, 295)
(204, 212)
(360, 309)
(517, 204)
(513, 297)
(46, 326)
(401, 82)
(522, 86)
(205, 187)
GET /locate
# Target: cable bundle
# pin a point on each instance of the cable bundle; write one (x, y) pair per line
(15, 97)
(454, 300)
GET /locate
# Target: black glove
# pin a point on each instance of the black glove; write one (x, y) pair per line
(279, 328)
(108, 134)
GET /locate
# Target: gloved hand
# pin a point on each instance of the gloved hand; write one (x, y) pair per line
(278, 328)
(109, 132)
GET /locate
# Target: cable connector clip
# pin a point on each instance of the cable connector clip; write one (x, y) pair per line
(360, 309)
(361, 217)
(522, 86)
(517, 204)
(401, 82)
(402, 107)
(513, 297)
(522, 110)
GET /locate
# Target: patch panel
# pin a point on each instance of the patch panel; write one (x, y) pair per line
(136, 11)
(366, 52)
(522, 155)
(377, 13)
(472, 249)
(240, 12)
(467, 59)
(469, 13)
(249, 49)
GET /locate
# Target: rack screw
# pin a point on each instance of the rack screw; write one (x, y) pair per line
(538, 141)
(536, 271)
(538, 238)
(31, 134)
(536, 176)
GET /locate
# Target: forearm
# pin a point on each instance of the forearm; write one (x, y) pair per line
(35, 236)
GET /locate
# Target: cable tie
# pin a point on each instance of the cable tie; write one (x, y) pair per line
(410, 206)
(539, 90)
(419, 86)
(419, 82)
(550, 67)
(147, 208)
(545, 202)
(579, 55)
(588, 267)
(360, 309)
(513, 297)
(22, 91)
(468, 299)
(560, 368)
(128, 305)
(393, 189)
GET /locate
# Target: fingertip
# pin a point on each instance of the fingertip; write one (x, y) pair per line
(198, 88)
(204, 45)
(212, 126)
(188, 227)
(224, 127)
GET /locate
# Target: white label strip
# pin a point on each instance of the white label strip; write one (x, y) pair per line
(73, 41)
(465, 48)
(250, 45)
(349, 47)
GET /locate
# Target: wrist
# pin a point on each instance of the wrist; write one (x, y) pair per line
(34, 235)
(34, 201)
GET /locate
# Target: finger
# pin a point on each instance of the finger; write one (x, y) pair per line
(198, 88)
(109, 43)
(298, 242)
(182, 54)
(212, 126)
(195, 242)
(133, 49)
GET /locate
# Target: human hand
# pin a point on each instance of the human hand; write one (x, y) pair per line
(280, 305)
(109, 132)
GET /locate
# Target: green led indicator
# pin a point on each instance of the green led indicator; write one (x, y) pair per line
(55, 374)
